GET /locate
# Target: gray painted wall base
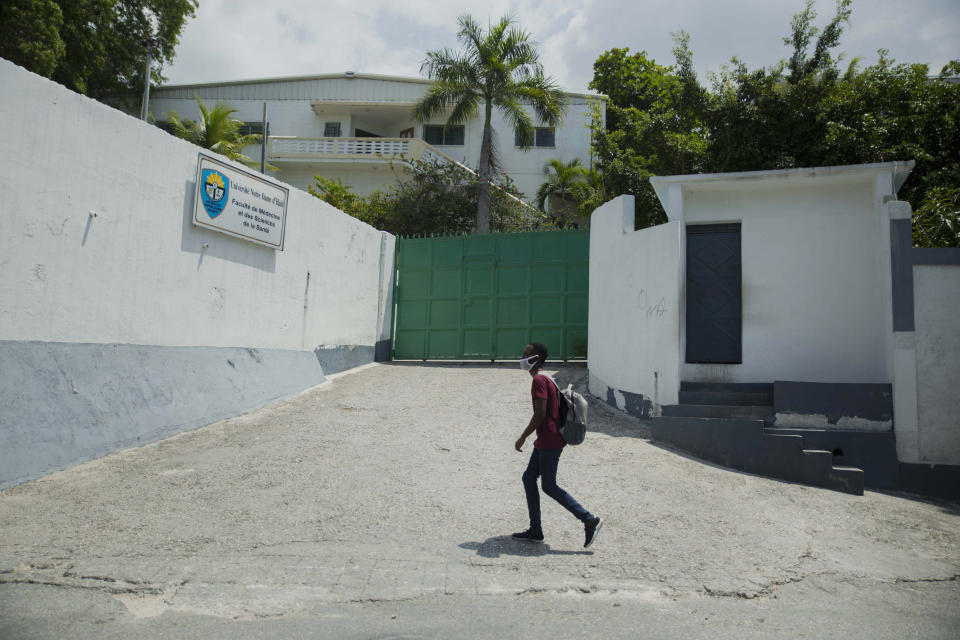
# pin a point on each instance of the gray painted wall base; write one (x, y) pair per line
(382, 351)
(937, 480)
(634, 404)
(343, 357)
(65, 403)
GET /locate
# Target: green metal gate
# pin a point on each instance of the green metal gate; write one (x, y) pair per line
(486, 297)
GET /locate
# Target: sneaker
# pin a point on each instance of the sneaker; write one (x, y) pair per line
(529, 535)
(592, 528)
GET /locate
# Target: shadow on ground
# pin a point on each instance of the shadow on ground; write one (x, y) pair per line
(507, 546)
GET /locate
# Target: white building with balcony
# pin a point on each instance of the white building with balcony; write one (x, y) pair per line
(359, 128)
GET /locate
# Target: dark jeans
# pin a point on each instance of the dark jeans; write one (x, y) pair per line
(543, 464)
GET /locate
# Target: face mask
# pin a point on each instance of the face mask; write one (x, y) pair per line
(527, 363)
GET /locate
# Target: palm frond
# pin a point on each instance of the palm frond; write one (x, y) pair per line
(568, 181)
(544, 96)
(437, 62)
(470, 34)
(217, 130)
(441, 96)
(497, 69)
(519, 119)
(465, 110)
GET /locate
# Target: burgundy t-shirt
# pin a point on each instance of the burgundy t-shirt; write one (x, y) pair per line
(548, 436)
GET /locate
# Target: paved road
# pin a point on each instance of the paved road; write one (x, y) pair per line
(379, 505)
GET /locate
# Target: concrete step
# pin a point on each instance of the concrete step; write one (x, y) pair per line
(785, 445)
(875, 452)
(848, 479)
(734, 412)
(821, 461)
(745, 445)
(728, 387)
(747, 399)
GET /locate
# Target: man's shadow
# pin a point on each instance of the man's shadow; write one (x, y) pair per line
(507, 546)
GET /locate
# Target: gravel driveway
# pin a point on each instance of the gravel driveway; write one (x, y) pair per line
(399, 483)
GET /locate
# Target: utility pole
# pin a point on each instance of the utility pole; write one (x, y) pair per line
(149, 43)
(263, 139)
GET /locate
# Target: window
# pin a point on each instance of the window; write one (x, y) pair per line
(543, 137)
(251, 128)
(436, 134)
(331, 129)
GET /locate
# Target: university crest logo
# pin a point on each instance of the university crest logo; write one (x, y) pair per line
(215, 189)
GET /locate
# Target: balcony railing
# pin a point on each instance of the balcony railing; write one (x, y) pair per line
(373, 149)
(293, 148)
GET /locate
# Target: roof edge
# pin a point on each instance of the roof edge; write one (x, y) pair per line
(333, 76)
(669, 189)
(322, 76)
(901, 168)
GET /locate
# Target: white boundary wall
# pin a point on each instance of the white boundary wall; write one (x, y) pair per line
(139, 272)
(635, 311)
(122, 323)
(937, 316)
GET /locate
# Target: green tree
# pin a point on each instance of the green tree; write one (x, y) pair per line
(498, 69)
(804, 63)
(441, 198)
(30, 34)
(630, 81)
(566, 181)
(339, 195)
(654, 124)
(216, 130)
(433, 198)
(773, 118)
(936, 222)
(94, 47)
(802, 111)
(595, 194)
(806, 111)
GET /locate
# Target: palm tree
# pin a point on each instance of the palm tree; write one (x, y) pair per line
(216, 130)
(499, 68)
(568, 182)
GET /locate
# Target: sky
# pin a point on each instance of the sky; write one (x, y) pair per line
(244, 39)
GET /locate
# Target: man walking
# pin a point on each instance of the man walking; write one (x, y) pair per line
(546, 452)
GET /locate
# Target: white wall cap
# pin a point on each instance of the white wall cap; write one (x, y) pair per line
(608, 210)
(899, 210)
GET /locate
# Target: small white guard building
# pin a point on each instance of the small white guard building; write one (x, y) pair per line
(792, 290)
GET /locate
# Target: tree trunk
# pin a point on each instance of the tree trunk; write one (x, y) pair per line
(483, 198)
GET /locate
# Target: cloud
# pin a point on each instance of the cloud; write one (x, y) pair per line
(237, 39)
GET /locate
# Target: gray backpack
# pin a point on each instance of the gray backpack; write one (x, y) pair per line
(572, 408)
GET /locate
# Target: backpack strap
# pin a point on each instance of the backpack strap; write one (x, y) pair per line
(555, 388)
(571, 406)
